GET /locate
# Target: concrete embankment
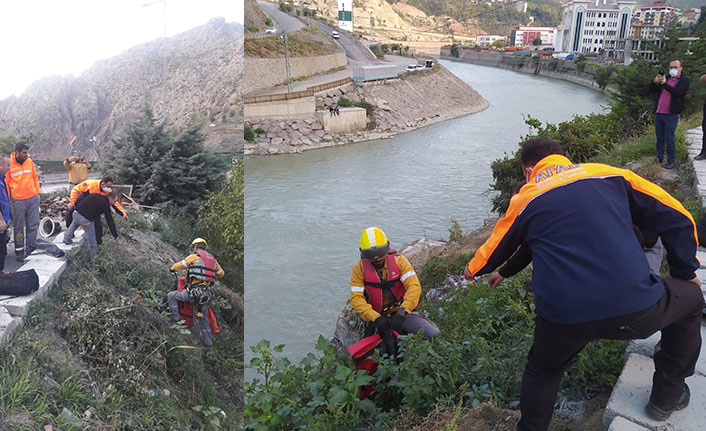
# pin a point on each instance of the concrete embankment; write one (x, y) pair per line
(581, 74)
(418, 99)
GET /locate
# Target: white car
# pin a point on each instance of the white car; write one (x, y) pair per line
(411, 68)
(420, 67)
(271, 30)
(334, 34)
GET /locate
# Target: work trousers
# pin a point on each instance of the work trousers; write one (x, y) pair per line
(665, 126)
(703, 131)
(98, 226)
(413, 323)
(25, 218)
(183, 295)
(677, 314)
(88, 229)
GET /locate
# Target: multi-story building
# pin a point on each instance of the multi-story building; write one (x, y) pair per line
(657, 14)
(690, 17)
(593, 26)
(345, 15)
(525, 35)
(485, 40)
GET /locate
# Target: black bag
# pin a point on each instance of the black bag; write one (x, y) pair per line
(49, 248)
(19, 283)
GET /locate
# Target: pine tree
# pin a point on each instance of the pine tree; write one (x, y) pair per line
(164, 170)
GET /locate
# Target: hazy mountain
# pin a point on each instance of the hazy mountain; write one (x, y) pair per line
(204, 71)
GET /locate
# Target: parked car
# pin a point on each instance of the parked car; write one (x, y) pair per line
(420, 67)
(271, 30)
(411, 68)
(335, 34)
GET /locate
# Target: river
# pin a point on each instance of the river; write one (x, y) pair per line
(305, 212)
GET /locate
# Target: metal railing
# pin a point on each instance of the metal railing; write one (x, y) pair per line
(332, 84)
(278, 97)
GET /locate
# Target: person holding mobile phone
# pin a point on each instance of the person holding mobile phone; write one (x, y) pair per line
(669, 103)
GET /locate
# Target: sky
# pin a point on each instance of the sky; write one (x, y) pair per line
(41, 38)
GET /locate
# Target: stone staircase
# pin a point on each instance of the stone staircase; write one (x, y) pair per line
(626, 407)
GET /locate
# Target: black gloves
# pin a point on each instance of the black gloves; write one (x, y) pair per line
(397, 322)
(382, 325)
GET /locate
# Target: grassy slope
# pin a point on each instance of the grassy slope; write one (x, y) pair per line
(103, 332)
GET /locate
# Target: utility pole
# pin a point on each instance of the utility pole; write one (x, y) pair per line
(372, 24)
(286, 60)
(164, 58)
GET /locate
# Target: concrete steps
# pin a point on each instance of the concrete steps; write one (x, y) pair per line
(626, 407)
(49, 269)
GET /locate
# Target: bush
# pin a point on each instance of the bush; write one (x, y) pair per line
(249, 134)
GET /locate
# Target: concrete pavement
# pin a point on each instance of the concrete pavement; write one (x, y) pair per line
(626, 408)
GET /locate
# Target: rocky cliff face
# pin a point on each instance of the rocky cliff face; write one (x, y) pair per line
(204, 71)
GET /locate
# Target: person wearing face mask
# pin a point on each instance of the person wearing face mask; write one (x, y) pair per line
(669, 103)
(385, 289)
(103, 187)
(23, 184)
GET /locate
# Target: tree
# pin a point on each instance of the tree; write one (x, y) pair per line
(7, 142)
(454, 50)
(221, 220)
(498, 43)
(603, 75)
(537, 42)
(177, 172)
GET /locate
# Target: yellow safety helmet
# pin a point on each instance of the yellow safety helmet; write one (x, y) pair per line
(198, 241)
(373, 243)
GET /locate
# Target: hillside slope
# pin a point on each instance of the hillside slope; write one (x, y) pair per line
(204, 70)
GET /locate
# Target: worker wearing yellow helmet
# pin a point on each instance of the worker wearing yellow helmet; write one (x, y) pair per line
(194, 290)
(385, 289)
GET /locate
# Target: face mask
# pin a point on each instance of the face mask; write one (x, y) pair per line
(673, 73)
(107, 189)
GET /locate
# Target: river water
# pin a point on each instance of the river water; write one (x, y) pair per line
(305, 212)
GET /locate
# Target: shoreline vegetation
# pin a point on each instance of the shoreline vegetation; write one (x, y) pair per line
(475, 364)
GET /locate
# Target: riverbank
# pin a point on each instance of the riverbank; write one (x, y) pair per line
(566, 70)
(416, 100)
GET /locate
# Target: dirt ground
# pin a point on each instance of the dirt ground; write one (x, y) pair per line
(487, 417)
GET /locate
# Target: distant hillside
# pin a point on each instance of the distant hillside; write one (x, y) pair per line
(204, 75)
(453, 17)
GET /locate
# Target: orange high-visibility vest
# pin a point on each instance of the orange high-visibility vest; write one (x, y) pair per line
(21, 179)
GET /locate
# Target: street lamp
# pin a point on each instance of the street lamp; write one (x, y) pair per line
(164, 58)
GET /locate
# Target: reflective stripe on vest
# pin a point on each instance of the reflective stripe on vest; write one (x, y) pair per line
(374, 287)
(203, 269)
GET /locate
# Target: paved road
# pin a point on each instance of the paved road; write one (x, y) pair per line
(285, 22)
(355, 51)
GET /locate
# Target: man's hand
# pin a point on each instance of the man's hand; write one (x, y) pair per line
(495, 279)
(382, 324)
(70, 207)
(658, 79)
(3, 225)
(696, 281)
(125, 216)
(467, 274)
(117, 239)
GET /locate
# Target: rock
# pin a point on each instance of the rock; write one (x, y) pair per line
(306, 141)
(316, 126)
(276, 141)
(273, 150)
(328, 137)
(319, 133)
(310, 121)
(349, 329)
(295, 126)
(328, 101)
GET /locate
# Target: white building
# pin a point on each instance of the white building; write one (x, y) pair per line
(657, 14)
(485, 40)
(345, 15)
(592, 26)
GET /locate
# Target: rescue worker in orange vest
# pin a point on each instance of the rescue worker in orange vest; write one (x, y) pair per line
(23, 184)
(385, 289)
(102, 186)
(202, 270)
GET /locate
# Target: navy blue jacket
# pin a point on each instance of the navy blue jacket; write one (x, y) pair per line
(5, 200)
(578, 221)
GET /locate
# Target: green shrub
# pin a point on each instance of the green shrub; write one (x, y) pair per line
(249, 134)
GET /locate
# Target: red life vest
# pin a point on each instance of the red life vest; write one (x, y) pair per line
(204, 269)
(374, 288)
(186, 310)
